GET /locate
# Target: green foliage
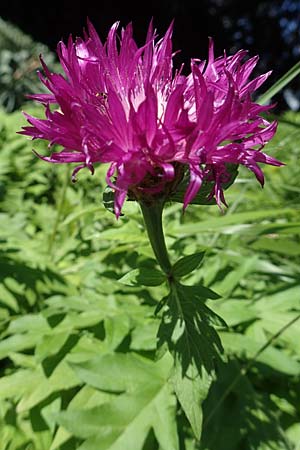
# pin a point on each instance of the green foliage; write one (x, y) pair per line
(186, 329)
(19, 61)
(187, 264)
(78, 293)
(143, 276)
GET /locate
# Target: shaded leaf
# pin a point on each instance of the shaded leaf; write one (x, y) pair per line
(187, 264)
(187, 331)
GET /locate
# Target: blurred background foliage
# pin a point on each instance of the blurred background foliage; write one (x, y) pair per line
(19, 61)
(78, 366)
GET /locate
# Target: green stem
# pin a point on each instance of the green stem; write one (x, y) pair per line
(152, 215)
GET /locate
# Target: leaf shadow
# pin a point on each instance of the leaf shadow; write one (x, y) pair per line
(187, 328)
(30, 278)
(247, 418)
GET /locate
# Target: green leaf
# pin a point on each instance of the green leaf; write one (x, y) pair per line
(19, 383)
(191, 390)
(8, 299)
(282, 300)
(129, 232)
(127, 418)
(50, 345)
(187, 264)
(245, 346)
(86, 398)
(293, 433)
(49, 412)
(143, 337)
(17, 343)
(201, 292)
(247, 418)
(78, 214)
(33, 323)
(280, 84)
(119, 372)
(273, 323)
(116, 329)
(234, 277)
(277, 245)
(143, 276)
(62, 378)
(235, 312)
(221, 223)
(186, 329)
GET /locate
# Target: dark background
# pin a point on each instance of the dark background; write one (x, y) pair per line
(268, 28)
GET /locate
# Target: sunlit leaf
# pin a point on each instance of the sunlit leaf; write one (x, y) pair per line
(144, 277)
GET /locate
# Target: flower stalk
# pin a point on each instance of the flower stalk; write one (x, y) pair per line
(152, 215)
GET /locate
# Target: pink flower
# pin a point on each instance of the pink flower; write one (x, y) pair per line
(121, 104)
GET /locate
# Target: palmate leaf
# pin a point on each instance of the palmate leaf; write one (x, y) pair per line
(126, 421)
(119, 372)
(146, 402)
(187, 330)
(204, 195)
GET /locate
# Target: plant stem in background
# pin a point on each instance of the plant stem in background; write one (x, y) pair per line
(280, 84)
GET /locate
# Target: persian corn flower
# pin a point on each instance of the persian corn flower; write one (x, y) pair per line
(123, 105)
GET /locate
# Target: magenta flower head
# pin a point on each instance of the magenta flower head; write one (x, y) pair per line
(124, 105)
